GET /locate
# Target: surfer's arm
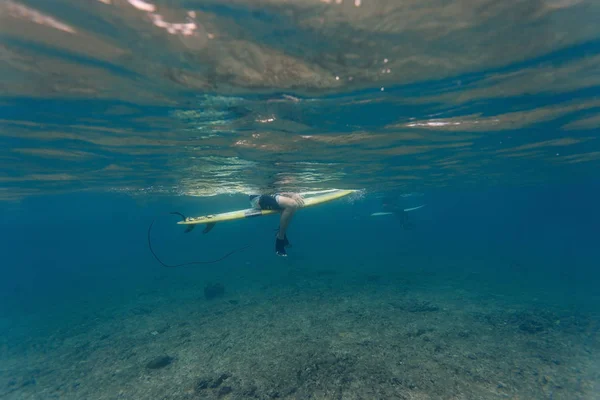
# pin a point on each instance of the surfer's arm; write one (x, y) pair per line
(293, 196)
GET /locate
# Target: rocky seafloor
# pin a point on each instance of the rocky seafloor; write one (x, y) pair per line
(313, 338)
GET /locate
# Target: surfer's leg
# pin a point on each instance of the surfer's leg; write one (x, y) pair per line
(289, 207)
(286, 218)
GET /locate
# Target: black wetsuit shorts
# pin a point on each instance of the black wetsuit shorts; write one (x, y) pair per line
(265, 201)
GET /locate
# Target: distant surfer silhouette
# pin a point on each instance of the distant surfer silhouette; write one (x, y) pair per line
(390, 205)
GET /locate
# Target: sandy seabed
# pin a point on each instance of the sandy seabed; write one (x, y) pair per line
(320, 337)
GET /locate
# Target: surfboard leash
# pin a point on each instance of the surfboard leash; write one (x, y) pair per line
(191, 262)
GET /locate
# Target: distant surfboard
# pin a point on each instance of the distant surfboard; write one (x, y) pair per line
(381, 214)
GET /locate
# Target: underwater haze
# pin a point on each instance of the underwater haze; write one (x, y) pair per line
(465, 264)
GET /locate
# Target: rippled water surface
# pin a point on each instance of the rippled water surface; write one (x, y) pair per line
(206, 97)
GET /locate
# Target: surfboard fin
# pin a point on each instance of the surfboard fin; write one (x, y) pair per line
(208, 227)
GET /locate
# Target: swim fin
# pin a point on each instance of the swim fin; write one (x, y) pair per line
(286, 242)
(280, 247)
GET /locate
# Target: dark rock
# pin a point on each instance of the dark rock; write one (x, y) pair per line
(29, 382)
(423, 306)
(532, 326)
(212, 383)
(250, 392)
(141, 311)
(217, 382)
(212, 291)
(159, 362)
(163, 328)
(532, 322)
(202, 384)
(225, 390)
(419, 332)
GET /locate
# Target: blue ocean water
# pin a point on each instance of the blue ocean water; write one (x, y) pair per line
(114, 114)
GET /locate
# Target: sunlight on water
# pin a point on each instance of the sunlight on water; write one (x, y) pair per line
(209, 97)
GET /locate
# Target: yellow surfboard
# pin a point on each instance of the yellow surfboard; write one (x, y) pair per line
(309, 201)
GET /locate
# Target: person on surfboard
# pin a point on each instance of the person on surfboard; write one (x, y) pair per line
(286, 203)
(391, 205)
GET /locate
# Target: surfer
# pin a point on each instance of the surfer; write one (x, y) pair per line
(391, 206)
(287, 203)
